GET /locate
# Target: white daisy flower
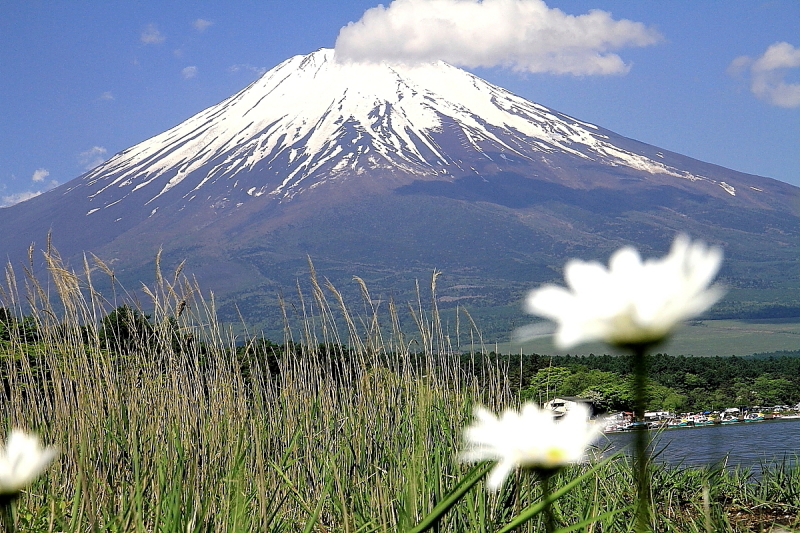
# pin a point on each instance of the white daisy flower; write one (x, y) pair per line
(22, 461)
(529, 439)
(632, 301)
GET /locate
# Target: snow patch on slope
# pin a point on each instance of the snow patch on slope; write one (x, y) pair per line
(728, 188)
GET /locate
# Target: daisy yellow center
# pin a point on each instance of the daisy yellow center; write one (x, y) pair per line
(555, 455)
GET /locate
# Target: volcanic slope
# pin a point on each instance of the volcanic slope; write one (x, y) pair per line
(388, 172)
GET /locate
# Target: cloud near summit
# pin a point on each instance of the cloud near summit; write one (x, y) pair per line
(524, 35)
(766, 74)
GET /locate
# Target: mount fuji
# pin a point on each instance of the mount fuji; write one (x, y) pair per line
(390, 171)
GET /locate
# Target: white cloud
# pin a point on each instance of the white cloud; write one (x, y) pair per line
(151, 35)
(524, 35)
(40, 174)
(16, 198)
(189, 72)
(107, 96)
(766, 74)
(201, 24)
(92, 157)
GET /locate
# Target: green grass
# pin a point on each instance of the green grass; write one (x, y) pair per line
(187, 436)
(702, 338)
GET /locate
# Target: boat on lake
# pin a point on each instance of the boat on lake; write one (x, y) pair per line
(699, 420)
(678, 423)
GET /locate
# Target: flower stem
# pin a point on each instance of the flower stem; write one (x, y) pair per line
(549, 521)
(7, 512)
(642, 440)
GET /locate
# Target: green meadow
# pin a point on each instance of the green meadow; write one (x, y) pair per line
(700, 338)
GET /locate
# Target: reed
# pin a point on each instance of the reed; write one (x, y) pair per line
(353, 424)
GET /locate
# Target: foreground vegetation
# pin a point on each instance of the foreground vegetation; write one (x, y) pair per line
(187, 428)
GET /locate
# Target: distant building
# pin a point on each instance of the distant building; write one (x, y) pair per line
(561, 404)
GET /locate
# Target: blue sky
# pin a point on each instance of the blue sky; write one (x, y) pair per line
(717, 81)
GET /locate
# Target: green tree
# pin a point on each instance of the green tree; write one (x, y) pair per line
(11, 327)
(7, 324)
(773, 390)
(609, 391)
(125, 329)
(744, 393)
(666, 399)
(547, 383)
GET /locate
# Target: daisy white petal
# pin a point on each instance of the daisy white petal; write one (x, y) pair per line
(499, 473)
(530, 438)
(632, 301)
(22, 461)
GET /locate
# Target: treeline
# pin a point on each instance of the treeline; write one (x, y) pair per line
(677, 383)
(126, 330)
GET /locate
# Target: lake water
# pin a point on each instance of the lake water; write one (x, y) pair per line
(748, 444)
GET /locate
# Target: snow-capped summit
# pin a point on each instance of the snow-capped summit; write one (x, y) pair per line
(313, 119)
